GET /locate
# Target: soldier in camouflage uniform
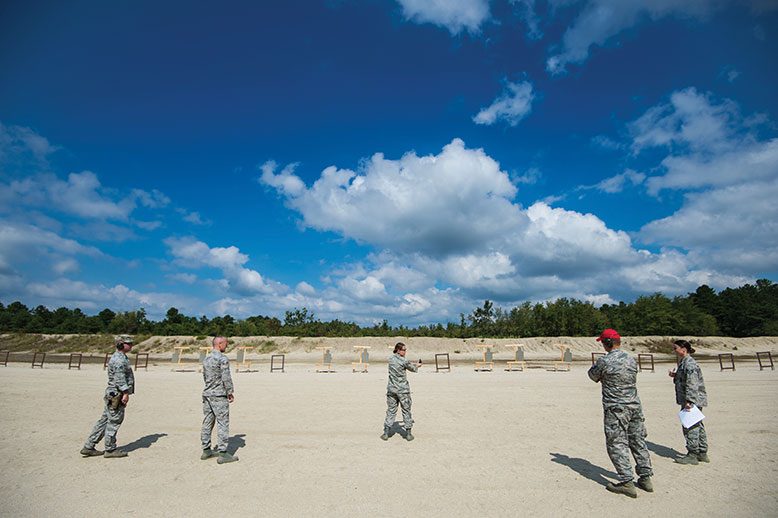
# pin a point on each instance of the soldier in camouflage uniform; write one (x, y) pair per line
(217, 396)
(398, 391)
(625, 430)
(690, 391)
(121, 383)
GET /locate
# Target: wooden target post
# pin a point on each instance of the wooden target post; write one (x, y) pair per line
(178, 359)
(765, 359)
(74, 362)
(363, 359)
(645, 362)
(243, 364)
(105, 361)
(595, 356)
(274, 359)
(38, 359)
(4, 358)
(730, 361)
(439, 366)
(517, 363)
(486, 364)
(565, 361)
(326, 360)
(142, 361)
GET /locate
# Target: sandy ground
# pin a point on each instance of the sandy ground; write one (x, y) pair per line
(487, 443)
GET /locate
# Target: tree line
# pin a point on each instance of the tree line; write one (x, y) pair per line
(749, 310)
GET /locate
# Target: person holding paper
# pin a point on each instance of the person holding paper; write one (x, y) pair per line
(625, 429)
(690, 392)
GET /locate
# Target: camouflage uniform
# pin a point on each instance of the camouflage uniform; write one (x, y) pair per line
(398, 391)
(216, 407)
(625, 430)
(690, 388)
(120, 381)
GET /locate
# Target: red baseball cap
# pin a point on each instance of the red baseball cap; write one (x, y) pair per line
(609, 333)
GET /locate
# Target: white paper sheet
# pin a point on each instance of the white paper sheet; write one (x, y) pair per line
(690, 417)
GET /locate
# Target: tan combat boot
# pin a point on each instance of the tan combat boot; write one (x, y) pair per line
(623, 488)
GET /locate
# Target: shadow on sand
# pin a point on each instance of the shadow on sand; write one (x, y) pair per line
(397, 429)
(584, 468)
(235, 443)
(663, 451)
(143, 442)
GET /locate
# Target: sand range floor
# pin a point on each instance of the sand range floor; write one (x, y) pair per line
(487, 444)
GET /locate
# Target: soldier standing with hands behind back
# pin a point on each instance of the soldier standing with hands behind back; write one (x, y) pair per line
(217, 396)
(625, 430)
(398, 391)
(121, 383)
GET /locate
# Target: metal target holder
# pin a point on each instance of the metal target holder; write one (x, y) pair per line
(74, 361)
(439, 366)
(273, 367)
(648, 359)
(730, 358)
(765, 359)
(38, 359)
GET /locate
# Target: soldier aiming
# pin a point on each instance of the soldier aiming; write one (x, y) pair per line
(398, 391)
(625, 429)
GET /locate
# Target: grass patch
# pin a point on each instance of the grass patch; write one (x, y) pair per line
(267, 346)
(664, 346)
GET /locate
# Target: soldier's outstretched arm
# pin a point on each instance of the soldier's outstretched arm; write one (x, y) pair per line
(595, 372)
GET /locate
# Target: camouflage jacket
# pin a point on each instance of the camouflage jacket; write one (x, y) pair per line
(216, 375)
(689, 385)
(398, 381)
(120, 376)
(617, 372)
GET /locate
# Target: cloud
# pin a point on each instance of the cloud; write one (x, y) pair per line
(19, 144)
(728, 224)
(153, 200)
(185, 278)
(192, 217)
(102, 231)
(453, 201)
(91, 297)
(729, 177)
(690, 120)
(285, 181)
(615, 184)
(530, 176)
(709, 143)
(454, 15)
(409, 209)
(512, 106)
(527, 12)
(80, 195)
(600, 20)
(191, 253)
(20, 242)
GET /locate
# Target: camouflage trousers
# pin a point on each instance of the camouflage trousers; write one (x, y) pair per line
(404, 400)
(216, 409)
(108, 425)
(625, 432)
(696, 438)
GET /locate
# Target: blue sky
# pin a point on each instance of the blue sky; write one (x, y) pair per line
(377, 159)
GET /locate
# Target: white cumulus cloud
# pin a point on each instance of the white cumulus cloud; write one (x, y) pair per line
(454, 15)
(512, 106)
